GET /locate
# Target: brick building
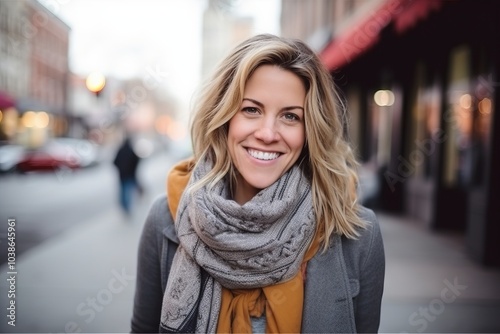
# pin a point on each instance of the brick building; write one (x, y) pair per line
(34, 70)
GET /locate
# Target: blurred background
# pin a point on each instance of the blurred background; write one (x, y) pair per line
(421, 82)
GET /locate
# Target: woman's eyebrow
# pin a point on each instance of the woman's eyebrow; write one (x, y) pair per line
(261, 105)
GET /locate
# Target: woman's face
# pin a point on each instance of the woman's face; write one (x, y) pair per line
(267, 134)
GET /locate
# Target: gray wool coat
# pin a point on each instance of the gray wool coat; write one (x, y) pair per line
(343, 287)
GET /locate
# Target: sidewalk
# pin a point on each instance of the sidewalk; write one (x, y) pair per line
(83, 280)
(432, 286)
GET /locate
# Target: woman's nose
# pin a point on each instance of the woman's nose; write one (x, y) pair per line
(267, 132)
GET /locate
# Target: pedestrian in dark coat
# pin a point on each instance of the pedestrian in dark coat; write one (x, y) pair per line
(126, 161)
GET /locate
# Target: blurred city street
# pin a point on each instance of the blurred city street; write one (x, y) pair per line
(82, 280)
(418, 82)
(45, 204)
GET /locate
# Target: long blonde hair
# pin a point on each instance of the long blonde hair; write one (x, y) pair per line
(326, 158)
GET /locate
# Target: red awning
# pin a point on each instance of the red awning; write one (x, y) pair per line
(365, 34)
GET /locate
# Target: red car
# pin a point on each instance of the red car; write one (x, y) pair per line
(49, 158)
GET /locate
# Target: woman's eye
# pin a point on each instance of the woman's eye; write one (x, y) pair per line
(250, 110)
(291, 117)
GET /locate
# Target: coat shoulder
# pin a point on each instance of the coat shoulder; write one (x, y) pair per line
(371, 229)
(368, 245)
(161, 219)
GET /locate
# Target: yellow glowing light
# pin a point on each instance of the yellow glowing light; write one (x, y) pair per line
(41, 120)
(384, 98)
(28, 119)
(10, 122)
(465, 101)
(1, 115)
(95, 82)
(485, 106)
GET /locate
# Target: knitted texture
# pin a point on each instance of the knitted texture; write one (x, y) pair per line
(224, 244)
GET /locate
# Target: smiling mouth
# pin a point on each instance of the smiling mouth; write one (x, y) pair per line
(263, 155)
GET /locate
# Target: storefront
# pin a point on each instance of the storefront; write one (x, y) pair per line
(29, 123)
(421, 81)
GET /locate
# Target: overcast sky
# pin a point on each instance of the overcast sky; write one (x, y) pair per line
(127, 38)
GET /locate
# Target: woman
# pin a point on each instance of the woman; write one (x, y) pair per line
(260, 231)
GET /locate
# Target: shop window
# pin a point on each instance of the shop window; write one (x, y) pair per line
(431, 134)
(424, 134)
(458, 121)
(385, 105)
(384, 115)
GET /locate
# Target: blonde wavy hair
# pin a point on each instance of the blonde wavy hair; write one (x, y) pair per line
(326, 158)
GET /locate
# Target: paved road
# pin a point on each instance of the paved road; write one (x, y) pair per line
(47, 204)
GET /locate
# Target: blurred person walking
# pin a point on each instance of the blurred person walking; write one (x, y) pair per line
(127, 161)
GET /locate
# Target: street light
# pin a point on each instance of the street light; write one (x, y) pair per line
(95, 83)
(384, 98)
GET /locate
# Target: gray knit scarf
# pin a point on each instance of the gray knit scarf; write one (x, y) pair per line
(224, 244)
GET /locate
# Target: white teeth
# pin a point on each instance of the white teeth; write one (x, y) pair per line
(263, 155)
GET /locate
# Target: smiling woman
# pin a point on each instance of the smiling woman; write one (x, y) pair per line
(266, 136)
(261, 230)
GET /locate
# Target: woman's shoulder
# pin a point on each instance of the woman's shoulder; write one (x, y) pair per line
(366, 213)
(160, 219)
(369, 241)
(372, 227)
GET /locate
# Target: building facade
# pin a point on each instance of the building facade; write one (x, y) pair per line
(49, 39)
(14, 48)
(421, 79)
(34, 70)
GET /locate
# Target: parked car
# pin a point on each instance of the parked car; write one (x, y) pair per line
(46, 159)
(59, 153)
(82, 150)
